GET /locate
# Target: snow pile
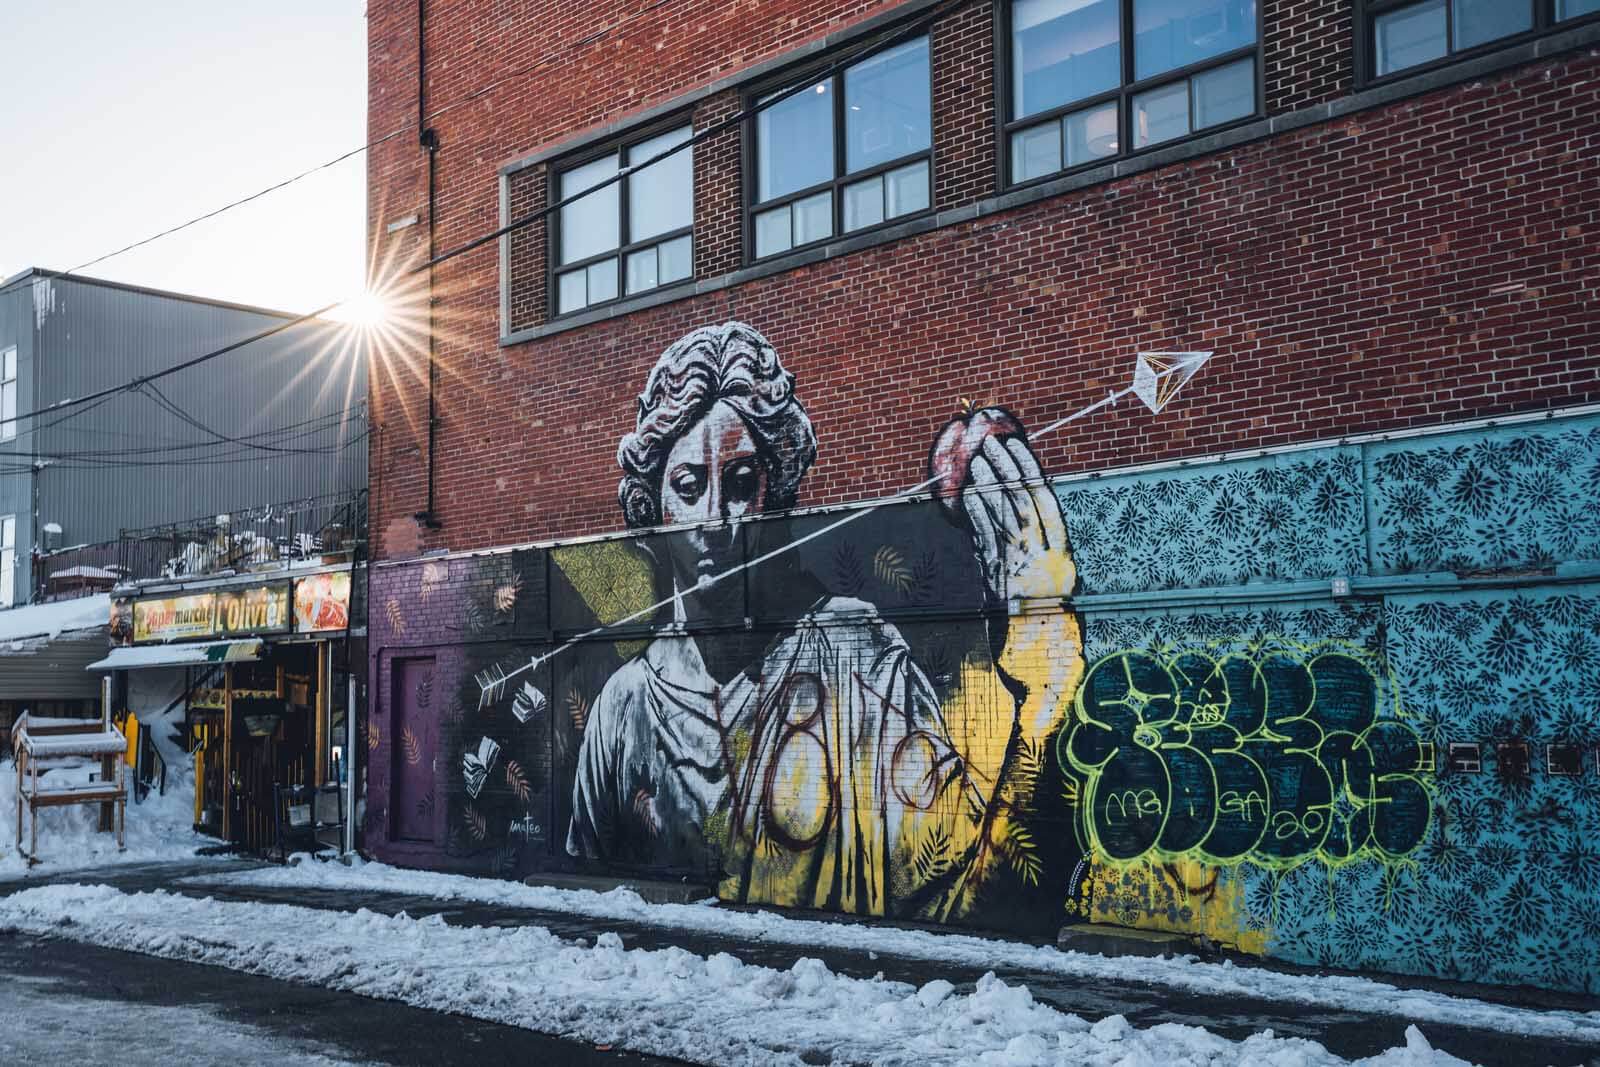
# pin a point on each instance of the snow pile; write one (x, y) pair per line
(666, 1002)
(49, 620)
(160, 828)
(1325, 991)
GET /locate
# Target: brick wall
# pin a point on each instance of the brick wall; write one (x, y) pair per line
(1427, 261)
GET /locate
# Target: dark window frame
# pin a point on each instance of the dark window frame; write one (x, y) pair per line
(1367, 13)
(750, 157)
(1006, 124)
(619, 146)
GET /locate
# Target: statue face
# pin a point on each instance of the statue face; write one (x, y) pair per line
(713, 473)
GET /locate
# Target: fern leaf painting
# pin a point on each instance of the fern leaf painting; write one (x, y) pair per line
(890, 568)
(517, 780)
(578, 709)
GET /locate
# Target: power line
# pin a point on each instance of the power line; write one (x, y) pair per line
(234, 456)
(891, 36)
(475, 94)
(270, 440)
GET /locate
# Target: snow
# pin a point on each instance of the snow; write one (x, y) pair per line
(1327, 991)
(49, 620)
(156, 697)
(99, 743)
(160, 828)
(666, 1002)
(177, 655)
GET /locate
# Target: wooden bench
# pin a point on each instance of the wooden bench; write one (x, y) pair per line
(42, 745)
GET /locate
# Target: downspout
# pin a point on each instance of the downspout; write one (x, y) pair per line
(428, 138)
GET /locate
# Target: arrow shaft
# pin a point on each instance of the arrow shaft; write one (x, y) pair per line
(789, 546)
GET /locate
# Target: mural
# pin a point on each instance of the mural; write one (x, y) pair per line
(1014, 703)
(1275, 757)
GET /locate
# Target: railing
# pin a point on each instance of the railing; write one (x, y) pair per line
(238, 541)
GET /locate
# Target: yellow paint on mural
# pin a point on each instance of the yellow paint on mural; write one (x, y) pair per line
(1182, 897)
(614, 580)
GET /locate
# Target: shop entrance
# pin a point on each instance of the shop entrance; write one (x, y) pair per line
(263, 735)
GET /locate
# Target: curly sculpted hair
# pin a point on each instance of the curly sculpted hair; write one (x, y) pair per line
(734, 364)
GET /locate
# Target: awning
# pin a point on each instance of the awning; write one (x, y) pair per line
(129, 659)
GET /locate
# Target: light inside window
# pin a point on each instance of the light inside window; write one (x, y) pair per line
(1169, 34)
(1063, 50)
(794, 143)
(887, 106)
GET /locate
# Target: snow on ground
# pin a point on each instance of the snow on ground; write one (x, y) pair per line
(160, 828)
(714, 1010)
(1329, 991)
(48, 1025)
(48, 620)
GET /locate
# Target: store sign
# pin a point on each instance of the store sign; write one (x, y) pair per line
(261, 609)
(322, 602)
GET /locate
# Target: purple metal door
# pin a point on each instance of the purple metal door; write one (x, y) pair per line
(411, 799)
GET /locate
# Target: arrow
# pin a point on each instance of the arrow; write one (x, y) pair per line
(1157, 377)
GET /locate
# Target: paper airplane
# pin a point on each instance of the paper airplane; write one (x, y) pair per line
(1157, 376)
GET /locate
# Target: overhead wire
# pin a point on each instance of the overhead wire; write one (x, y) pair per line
(475, 94)
(890, 36)
(893, 35)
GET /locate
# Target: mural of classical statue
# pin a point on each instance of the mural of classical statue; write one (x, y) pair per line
(810, 766)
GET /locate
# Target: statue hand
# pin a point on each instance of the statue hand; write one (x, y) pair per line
(1020, 533)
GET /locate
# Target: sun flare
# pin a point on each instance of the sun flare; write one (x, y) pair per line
(368, 310)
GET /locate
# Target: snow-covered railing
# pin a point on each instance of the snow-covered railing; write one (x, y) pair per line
(44, 748)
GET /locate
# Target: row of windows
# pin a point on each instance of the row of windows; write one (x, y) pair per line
(1084, 81)
(8, 394)
(1413, 33)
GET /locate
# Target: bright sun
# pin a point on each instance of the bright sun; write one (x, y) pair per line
(367, 310)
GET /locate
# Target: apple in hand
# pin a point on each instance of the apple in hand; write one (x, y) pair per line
(961, 440)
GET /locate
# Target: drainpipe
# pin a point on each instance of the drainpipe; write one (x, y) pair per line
(428, 138)
(349, 843)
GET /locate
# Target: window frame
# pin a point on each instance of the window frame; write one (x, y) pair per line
(619, 146)
(1006, 124)
(1367, 13)
(8, 562)
(8, 427)
(749, 156)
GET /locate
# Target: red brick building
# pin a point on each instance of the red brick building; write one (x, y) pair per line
(1381, 217)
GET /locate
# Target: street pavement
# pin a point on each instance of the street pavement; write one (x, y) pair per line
(375, 1031)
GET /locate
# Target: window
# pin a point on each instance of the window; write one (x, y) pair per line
(1405, 34)
(632, 236)
(849, 152)
(8, 560)
(8, 394)
(1090, 80)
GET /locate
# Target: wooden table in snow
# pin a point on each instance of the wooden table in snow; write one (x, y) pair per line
(40, 746)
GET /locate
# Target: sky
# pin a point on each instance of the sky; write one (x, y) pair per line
(121, 119)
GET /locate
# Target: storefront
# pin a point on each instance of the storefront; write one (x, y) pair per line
(258, 672)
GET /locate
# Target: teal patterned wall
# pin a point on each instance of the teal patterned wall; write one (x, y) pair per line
(1475, 598)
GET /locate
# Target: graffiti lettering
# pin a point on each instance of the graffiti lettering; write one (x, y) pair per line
(1273, 759)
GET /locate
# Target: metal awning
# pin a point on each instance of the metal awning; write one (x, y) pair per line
(128, 659)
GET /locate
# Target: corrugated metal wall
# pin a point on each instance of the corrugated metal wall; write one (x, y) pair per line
(16, 483)
(294, 405)
(53, 669)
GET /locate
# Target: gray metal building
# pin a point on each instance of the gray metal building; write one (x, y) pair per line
(280, 420)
